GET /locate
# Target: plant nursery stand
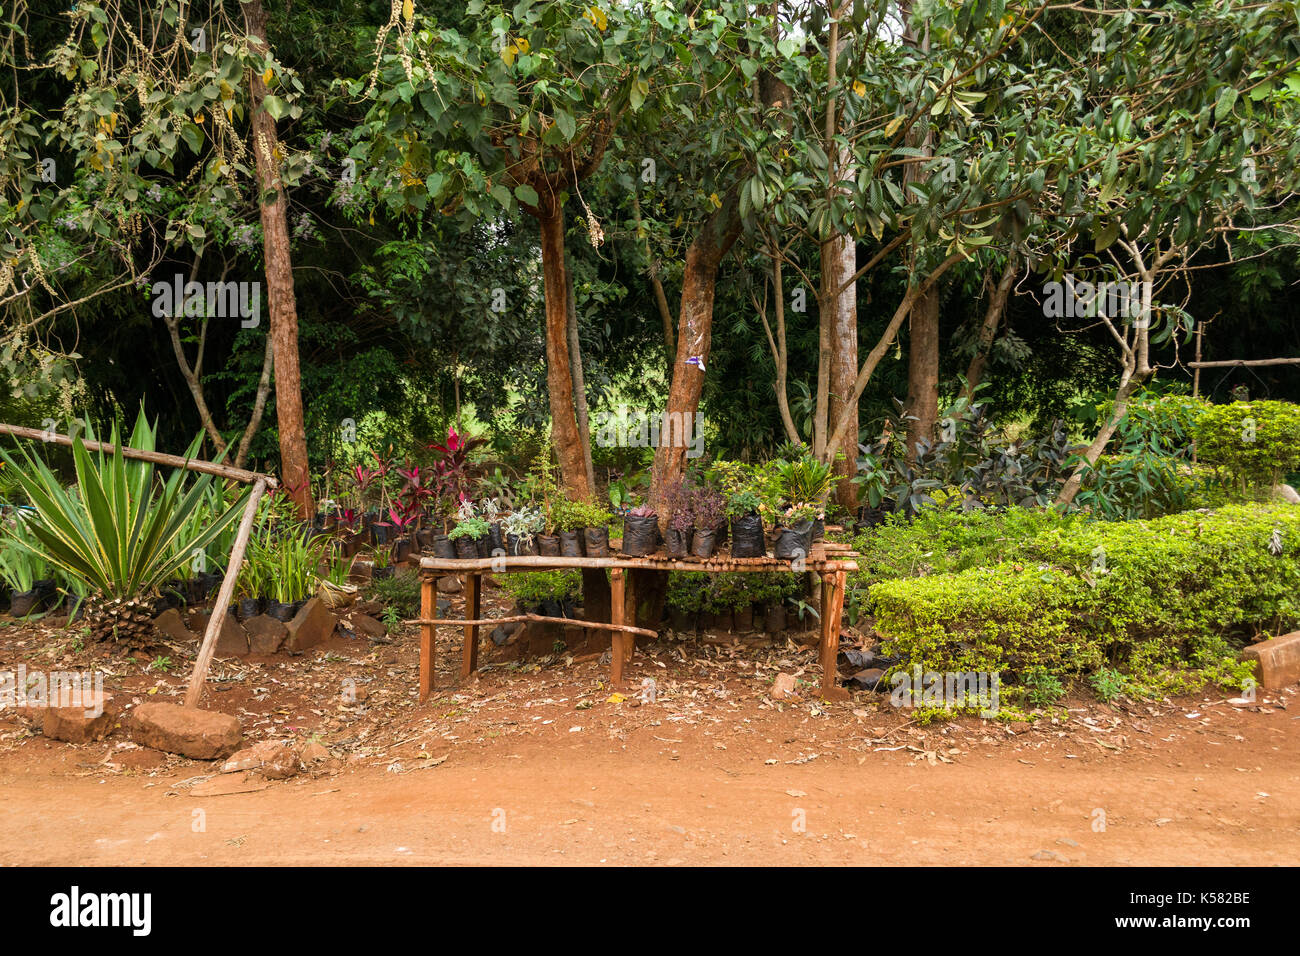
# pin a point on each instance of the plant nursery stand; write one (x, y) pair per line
(829, 561)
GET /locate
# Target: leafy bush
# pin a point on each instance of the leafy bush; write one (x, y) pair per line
(1158, 601)
(401, 592)
(530, 588)
(1251, 443)
(694, 591)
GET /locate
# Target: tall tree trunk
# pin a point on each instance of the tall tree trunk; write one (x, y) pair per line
(839, 262)
(923, 371)
(989, 327)
(838, 312)
(579, 384)
(559, 375)
(279, 279)
(694, 336)
(923, 326)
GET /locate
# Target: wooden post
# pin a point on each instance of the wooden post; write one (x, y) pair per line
(833, 588)
(224, 597)
(428, 634)
(469, 657)
(1196, 366)
(617, 615)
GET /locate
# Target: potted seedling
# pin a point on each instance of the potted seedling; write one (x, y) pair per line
(381, 563)
(747, 540)
(569, 522)
(708, 510)
(521, 527)
(640, 531)
(466, 537)
(796, 531)
(595, 529)
(677, 536)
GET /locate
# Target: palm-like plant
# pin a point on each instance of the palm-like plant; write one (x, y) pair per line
(118, 529)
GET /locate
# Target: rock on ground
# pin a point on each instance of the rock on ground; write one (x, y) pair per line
(265, 634)
(80, 721)
(188, 731)
(311, 626)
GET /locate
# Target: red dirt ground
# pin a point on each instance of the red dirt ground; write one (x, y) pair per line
(542, 766)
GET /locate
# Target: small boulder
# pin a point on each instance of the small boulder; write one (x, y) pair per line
(450, 584)
(310, 626)
(79, 721)
(1276, 661)
(313, 752)
(172, 626)
(367, 626)
(1290, 495)
(265, 634)
(188, 731)
(273, 759)
(233, 639)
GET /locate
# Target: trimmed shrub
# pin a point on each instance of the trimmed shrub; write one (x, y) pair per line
(1159, 601)
(1250, 442)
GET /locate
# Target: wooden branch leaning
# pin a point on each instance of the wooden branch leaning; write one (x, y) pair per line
(224, 596)
(153, 457)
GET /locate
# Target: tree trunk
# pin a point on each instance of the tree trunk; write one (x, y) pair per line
(579, 385)
(989, 328)
(694, 334)
(279, 280)
(839, 262)
(923, 340)
(259, 404)
(559, 376)
(1128, 385)
(923, 371)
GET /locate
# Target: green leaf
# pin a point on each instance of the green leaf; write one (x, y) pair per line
(277, 107)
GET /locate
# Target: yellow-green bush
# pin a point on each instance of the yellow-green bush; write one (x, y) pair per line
(1250, 442)
(1160, 601)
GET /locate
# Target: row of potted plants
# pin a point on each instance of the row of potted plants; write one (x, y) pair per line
(738, 503)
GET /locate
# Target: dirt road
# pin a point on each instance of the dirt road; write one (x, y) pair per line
(1222, 794)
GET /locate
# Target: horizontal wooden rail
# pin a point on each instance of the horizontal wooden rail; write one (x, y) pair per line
(576, 622)
(534, 562)
(1236, 363)
(154, 457)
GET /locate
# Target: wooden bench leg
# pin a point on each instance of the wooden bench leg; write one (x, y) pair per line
(469, 656)
(617, 615)
(833, 587)
(428, 634)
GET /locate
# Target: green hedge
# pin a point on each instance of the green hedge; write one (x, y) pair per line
(1160, 601)
(1250, 442)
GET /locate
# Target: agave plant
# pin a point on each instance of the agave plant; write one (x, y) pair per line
(117, 529)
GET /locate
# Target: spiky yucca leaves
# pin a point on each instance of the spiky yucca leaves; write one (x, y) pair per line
(118, 529)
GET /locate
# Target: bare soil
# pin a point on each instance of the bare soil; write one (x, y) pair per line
(543, 764)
